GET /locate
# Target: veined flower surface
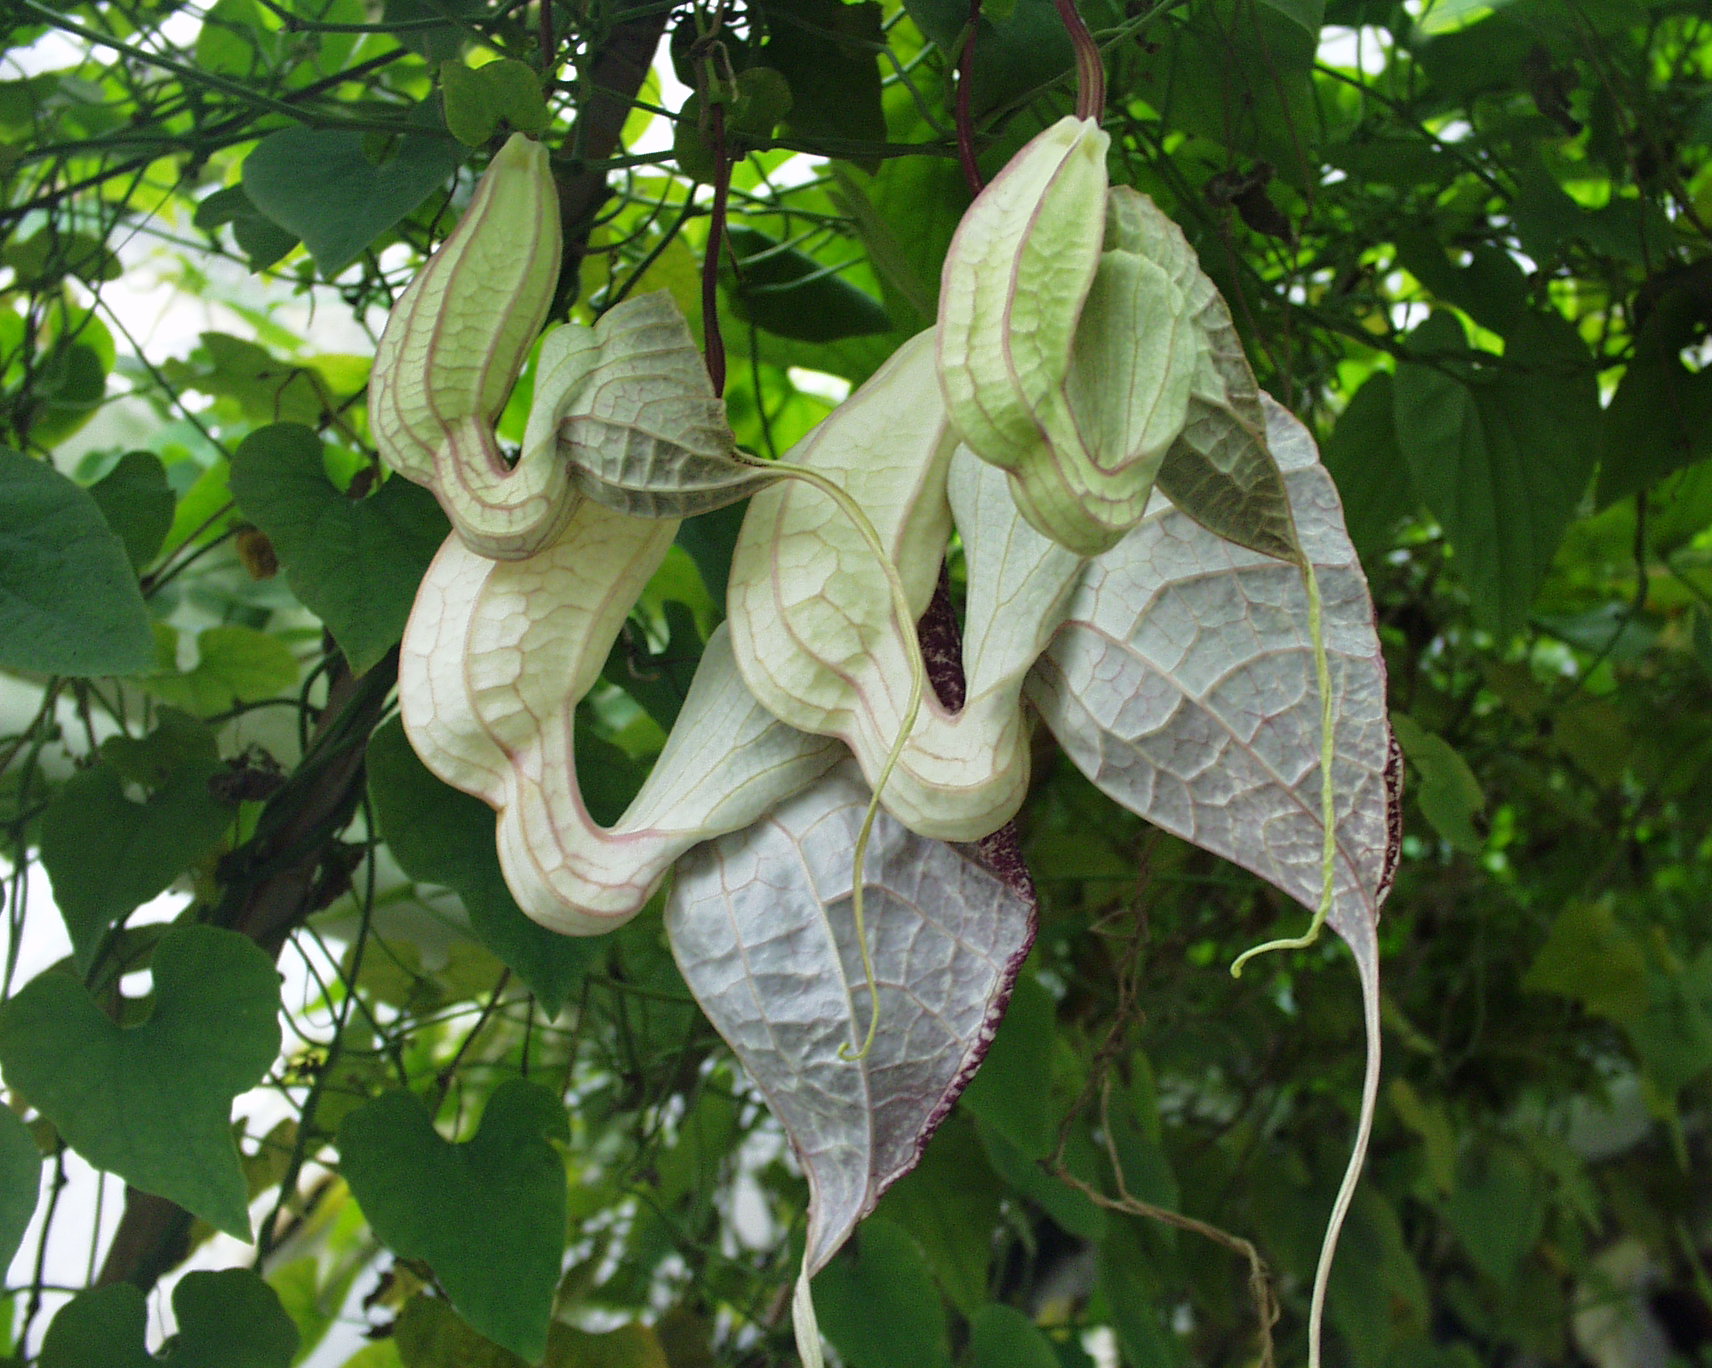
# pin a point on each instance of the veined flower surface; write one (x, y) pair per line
(1076, 344)
(453, 347)
(495, 660)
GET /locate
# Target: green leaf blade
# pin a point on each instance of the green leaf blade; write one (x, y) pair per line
(136, 501)
(107, 855)
(226, 1319)
(152, 1103)
(69, 601)
(20, 1182)
(356, 563)
(431, 1200)
(1501, 460)
(321, 185)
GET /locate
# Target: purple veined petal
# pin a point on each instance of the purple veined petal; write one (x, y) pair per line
(495, 659)
(635, 420)
(1015, 277)
(1182, 683)
(760, 924)
(819, 643)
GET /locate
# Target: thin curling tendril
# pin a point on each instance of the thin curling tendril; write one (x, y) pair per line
(912, 709)
(1328, 796)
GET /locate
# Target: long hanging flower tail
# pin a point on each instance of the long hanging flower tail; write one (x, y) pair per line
(1328, 792)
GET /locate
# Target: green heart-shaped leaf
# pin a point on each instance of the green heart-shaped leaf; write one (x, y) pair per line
(108, 855)
(321, 185)
(355, 563)
(69, 602)
(487, 1215)
(137, 503)
(517, 91)
(229, 1319)
(20, 1181)
(471, 108)
(153, 1103)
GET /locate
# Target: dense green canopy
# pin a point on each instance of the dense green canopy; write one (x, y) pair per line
(1467, 242)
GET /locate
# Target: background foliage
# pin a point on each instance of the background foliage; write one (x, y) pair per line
(1467, 240)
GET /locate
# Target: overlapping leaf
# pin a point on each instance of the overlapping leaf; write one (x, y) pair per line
(1501, 459)
(137, 502)
(760, 924)
(355, 563)
(228, 1319)
(107, 855)
(323, 186)
(69, 602)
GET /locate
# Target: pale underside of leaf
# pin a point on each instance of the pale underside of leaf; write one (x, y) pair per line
(1219, 470)
(494, 662)
(819, 645)
(453, 346)
(760, 924)
(1182, 683)
(1018, 270)
(643, 432)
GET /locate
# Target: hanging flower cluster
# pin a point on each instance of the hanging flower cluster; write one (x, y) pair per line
(1207, 658)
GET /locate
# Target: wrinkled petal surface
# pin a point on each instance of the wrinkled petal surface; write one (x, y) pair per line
(815, 633)
(1182, 683)
(760, 924)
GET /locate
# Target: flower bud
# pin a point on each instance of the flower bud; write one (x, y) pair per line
(453, 347)
(1066, 352)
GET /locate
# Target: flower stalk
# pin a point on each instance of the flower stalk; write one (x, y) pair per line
(1090, 70)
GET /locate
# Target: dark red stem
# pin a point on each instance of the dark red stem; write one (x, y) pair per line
(965, 120)
(1090, 71)
(713, 343)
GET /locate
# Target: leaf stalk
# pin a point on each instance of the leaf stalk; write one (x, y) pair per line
(1090, 70)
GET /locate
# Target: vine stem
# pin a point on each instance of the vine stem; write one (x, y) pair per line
(965, 118)
(912, 709)
(1090, 71)
(713, 343)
